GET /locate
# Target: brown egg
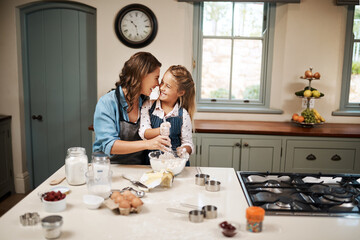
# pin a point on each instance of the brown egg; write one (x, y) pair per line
(128, 195)
(136, 202)
(114, 195)
(124, 204)
(119, 198)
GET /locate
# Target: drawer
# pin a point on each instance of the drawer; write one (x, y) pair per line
(321, 156)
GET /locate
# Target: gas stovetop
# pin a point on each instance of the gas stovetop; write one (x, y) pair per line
(303, 194)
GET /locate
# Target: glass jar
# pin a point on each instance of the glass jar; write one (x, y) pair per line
(76, 165)
(52, 226)
(100, 164)
(255, 217)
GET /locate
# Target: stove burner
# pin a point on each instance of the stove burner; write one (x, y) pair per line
(284, 202)
(272, 183)
(303, 194)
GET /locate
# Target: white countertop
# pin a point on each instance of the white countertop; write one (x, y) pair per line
(155, 222)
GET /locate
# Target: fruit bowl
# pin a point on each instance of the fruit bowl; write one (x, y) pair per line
(304, 124)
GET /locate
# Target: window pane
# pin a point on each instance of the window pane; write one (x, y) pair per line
(248, 19)
(246, 69)
(356, 27)
(216, 68)
(354, 94)
(217, 19)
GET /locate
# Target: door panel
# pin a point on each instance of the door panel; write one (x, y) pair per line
(220, 152)
(261, 155)
(61, 73)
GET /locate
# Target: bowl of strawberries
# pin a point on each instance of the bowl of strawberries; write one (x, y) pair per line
(54, 201)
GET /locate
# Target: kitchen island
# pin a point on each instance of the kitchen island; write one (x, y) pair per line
(155, 222)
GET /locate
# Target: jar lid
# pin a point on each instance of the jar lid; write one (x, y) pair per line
(76, 150)
(100, 156)
(255, 214)
(52, 221)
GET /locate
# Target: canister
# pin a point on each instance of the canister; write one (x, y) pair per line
(255, 217)
(76, 165)
(52, 226)
(101, 164)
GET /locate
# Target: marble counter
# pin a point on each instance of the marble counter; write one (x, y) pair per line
(155, 222)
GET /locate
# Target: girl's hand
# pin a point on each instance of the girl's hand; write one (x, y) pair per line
(162, 143)
(181, 152)
(165, 129)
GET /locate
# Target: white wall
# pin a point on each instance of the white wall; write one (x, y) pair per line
(307, 34)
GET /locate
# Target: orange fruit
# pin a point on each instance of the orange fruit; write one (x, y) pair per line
(300, 119)
(295, 117)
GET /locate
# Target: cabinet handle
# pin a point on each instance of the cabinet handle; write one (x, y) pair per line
(237, 145)
(39, 117)
(336, 158)
(311, 157)
(246, 144)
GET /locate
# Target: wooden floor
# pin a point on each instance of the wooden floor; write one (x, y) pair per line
(8, 201)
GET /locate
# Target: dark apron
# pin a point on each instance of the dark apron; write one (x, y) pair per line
(129, 132)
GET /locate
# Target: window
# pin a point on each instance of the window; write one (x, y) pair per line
(233, 55)
(350, 92)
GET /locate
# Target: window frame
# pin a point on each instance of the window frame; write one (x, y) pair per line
(346, 108)
(261, 106)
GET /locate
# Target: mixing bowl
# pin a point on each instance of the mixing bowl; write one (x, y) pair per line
(169, 161)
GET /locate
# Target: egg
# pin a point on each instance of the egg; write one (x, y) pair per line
(136, 202)
(119, 198)
(124, 204)
(115, 194)
(128, 195)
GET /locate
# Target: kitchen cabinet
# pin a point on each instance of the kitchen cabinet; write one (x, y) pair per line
(241, 152)
(6, 164)
(273, 153)
(325, 155)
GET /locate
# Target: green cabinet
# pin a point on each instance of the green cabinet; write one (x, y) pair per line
(241, 152)
(329, 155)
(261, 154)
(277, 153)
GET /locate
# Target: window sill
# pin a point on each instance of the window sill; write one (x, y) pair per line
(346, 113)
(239, 110)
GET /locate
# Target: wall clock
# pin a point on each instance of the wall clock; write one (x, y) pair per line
(136, 25)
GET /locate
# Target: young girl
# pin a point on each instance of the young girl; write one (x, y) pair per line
(175, 105)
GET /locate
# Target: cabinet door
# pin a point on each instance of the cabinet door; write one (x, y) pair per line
(6, 175)
(220, 151)
(261, 155)
(193, 156)
(322, 156)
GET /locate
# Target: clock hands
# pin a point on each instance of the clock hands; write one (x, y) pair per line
(135, 28)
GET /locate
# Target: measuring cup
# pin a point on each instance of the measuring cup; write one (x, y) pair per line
(201, 178)
(210, 211)
(195, 216)
(212, 185)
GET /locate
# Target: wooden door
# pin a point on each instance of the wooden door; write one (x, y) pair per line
(59, 66)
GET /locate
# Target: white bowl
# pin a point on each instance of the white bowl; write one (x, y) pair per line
(167, 161)
(54, 206)
(92, 201)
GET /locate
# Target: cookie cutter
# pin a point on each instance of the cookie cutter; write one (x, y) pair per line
(30, 219)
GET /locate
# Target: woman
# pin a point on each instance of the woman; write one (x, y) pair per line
(117, 113)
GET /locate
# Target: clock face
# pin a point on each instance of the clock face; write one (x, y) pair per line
(136, 26)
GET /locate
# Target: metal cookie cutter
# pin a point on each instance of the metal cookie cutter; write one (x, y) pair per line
(30, 219)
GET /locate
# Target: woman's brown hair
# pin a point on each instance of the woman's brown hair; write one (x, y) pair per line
(185, 83)
(135, 69)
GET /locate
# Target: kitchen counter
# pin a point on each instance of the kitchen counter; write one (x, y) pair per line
(155, 222)
(277, 128)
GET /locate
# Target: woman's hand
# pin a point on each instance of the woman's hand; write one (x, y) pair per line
(162, 143)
